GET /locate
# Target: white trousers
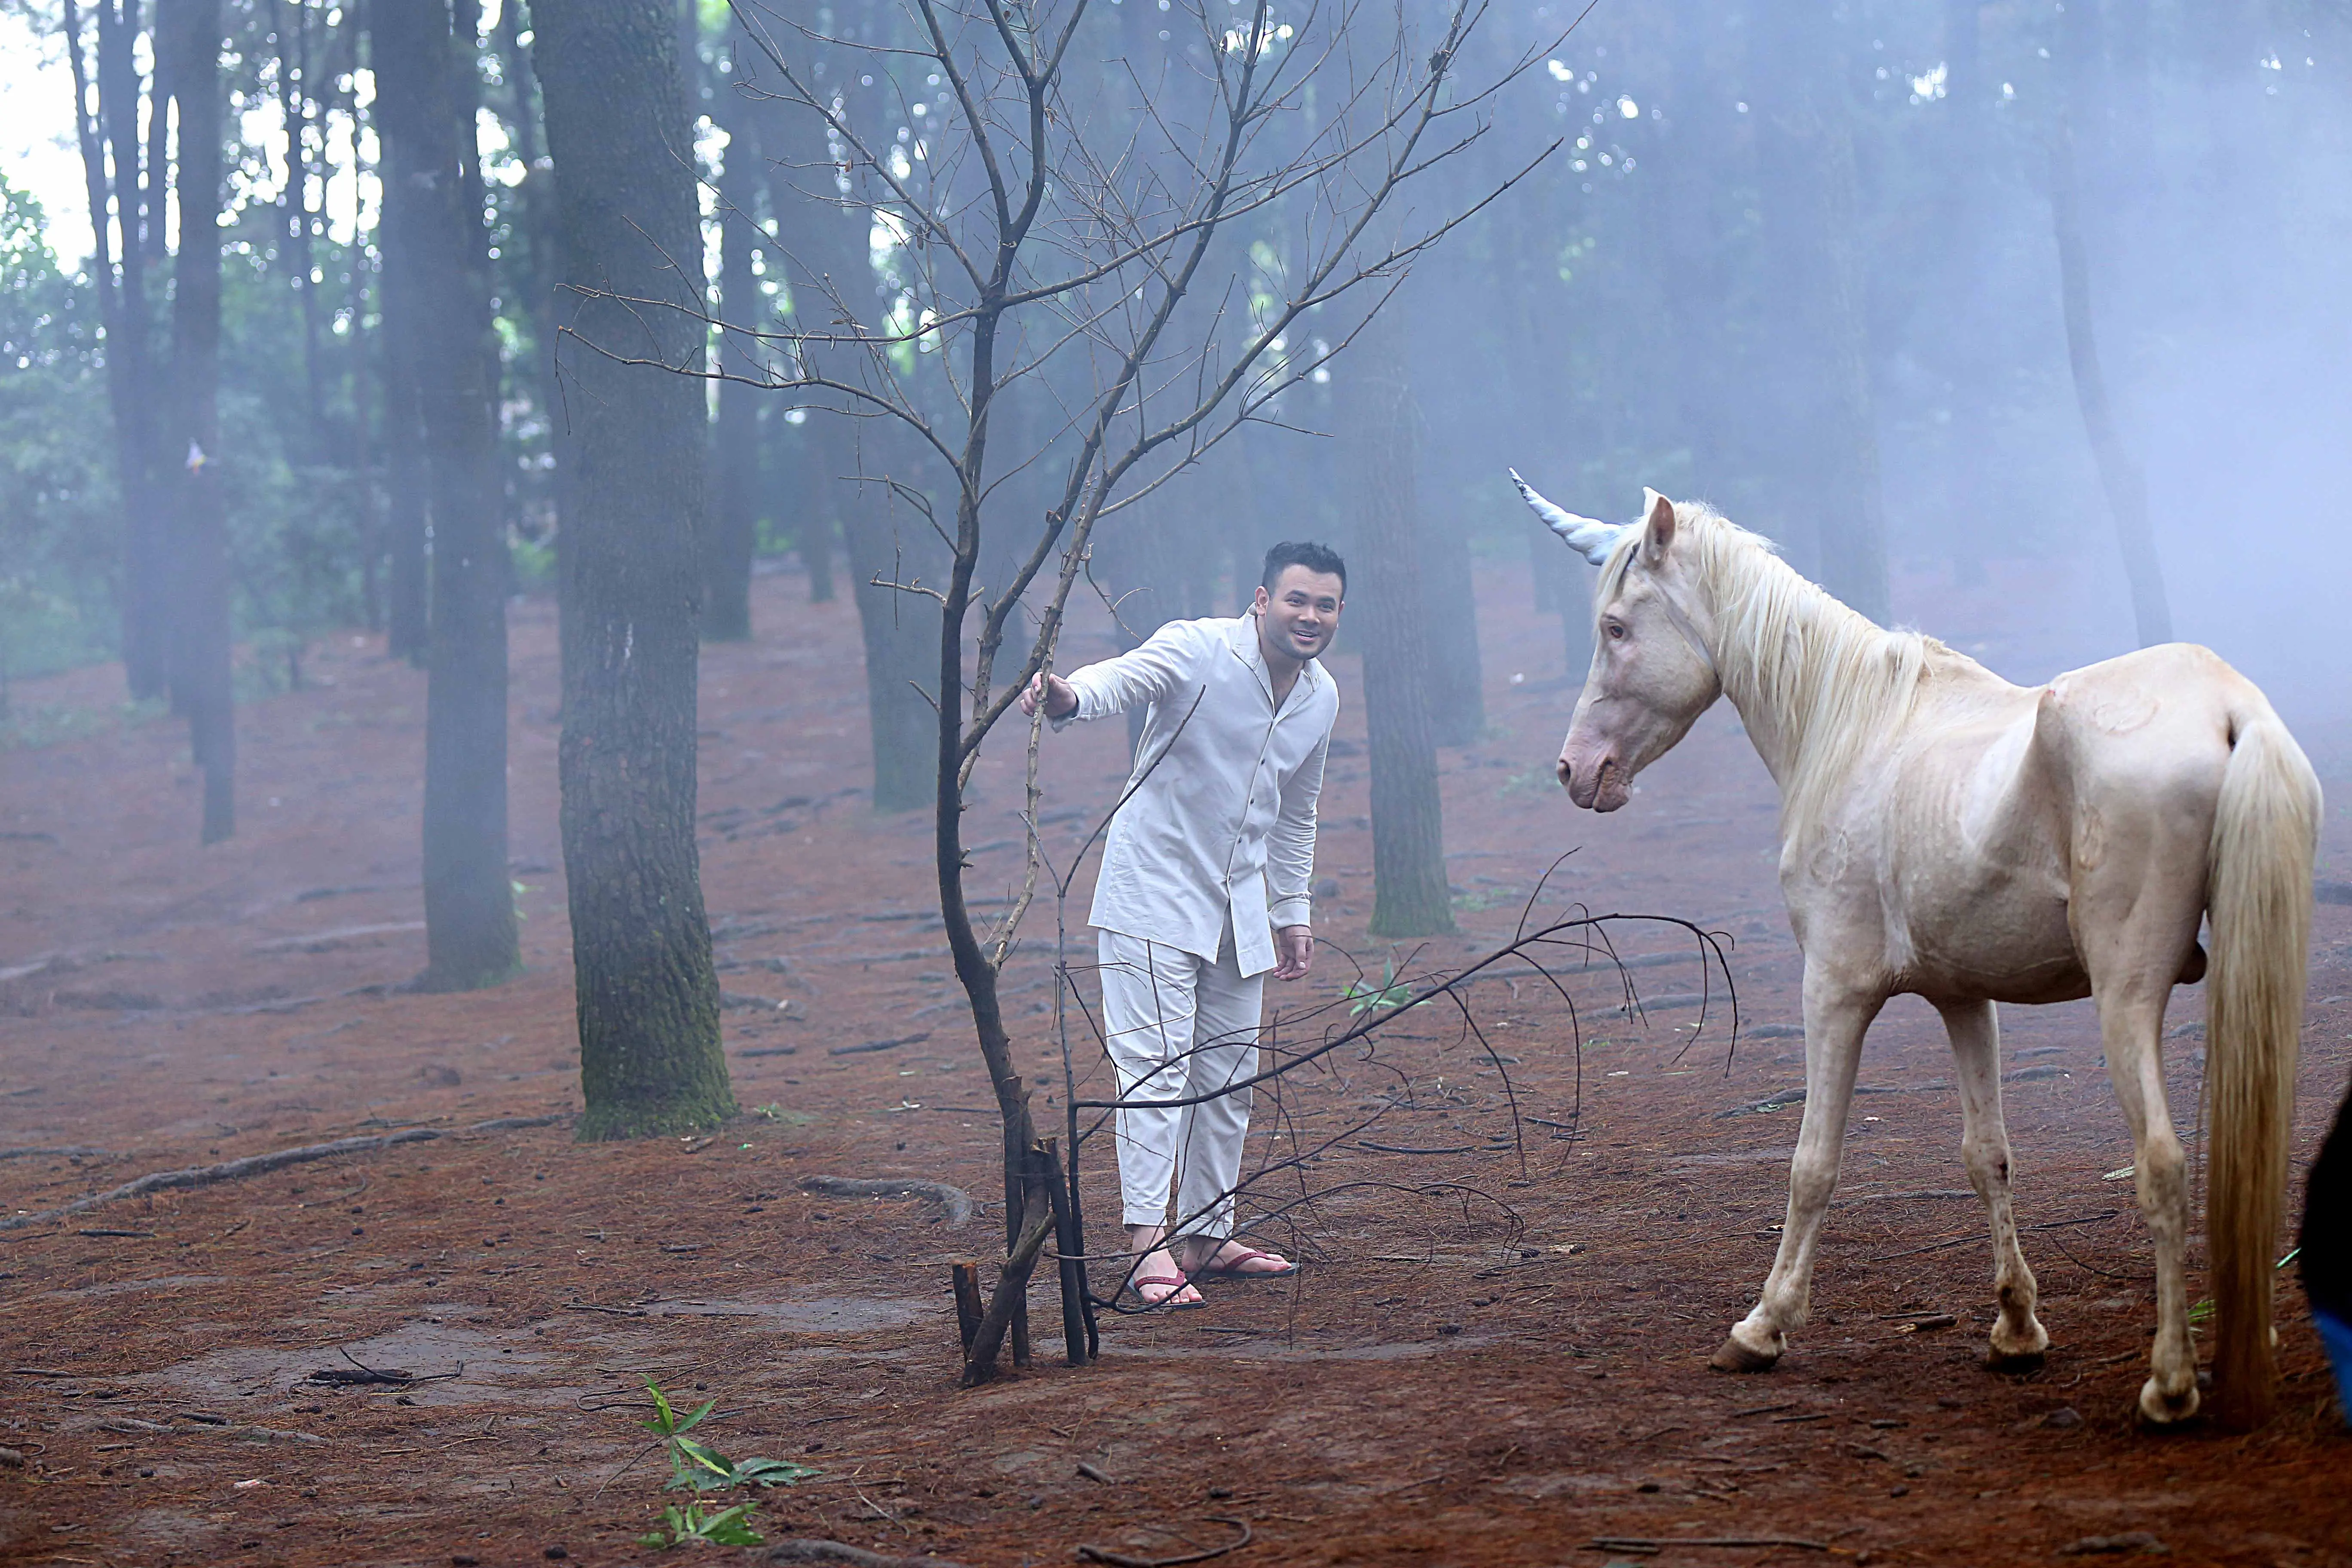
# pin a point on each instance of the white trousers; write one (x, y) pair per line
(1178, 1026)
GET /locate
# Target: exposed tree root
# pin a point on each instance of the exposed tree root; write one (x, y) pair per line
(955, 1200)
(226, 1171)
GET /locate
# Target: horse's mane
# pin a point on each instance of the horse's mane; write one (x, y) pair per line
(1814, 680)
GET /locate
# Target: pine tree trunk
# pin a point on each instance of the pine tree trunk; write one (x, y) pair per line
(733, 535)
(2119, 472)
(1852, 505)
(129, 320)
(427, 113)
(901, 629)
(1410, 896)
(406, 481)
(1818, 422)
(198, 652)
(1457, 697)
(648, 999)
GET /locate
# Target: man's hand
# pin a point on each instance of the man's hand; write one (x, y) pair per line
(1054, 692)
(1294, 950)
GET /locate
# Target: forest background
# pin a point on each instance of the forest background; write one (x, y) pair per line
(1693, 294)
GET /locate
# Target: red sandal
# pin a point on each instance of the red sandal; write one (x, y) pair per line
(1231, 1269)
(1175, 1283)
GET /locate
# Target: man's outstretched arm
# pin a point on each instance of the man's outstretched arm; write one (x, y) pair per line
(1145, 674)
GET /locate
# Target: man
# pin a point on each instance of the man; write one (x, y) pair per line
(1204, 887)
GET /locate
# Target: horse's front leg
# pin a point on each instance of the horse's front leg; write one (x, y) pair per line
(1837, 1017)
(2018, 1338)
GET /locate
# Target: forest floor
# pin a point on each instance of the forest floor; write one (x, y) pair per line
(1495, 1354)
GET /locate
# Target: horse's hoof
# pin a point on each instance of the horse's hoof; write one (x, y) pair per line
(2015, 1362)
(1733, 1356)
(2160, 1409)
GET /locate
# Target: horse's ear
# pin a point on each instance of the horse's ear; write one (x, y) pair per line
(1658, 526)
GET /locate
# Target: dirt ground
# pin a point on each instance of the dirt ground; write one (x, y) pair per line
(1496, 1352)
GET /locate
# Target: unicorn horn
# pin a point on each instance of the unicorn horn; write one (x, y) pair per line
(1589, 537)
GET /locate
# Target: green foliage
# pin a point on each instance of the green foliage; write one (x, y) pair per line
(57, 509)
(703, 1469)
(1362, 998)
(696, 1466)
(728, 1527)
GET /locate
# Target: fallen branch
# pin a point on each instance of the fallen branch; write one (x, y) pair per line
(955, 1200)
(1124, 1560)
(131, 1426)
(226, 1171)
(880, 1045)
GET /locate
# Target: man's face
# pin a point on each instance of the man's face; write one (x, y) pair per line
(1298, 617)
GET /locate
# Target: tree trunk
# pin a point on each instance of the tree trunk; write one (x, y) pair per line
(733, 535)
(1410, 896)
(1822, 424)
(828, 242)
(648, 999)
(1968, 438)
(405, 307)
(901, 629)
(1852, 507)
(127, 318)
(2119, 472)
(535, 274)
(426, 116)
(197, 651)
(1457, 697)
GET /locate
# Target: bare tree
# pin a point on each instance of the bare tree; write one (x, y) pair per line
(1138, 240)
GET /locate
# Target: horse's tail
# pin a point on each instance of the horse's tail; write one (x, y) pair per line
(2265, 837)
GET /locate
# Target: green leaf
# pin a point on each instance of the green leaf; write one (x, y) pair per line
(730, 1527)
(691, 1422)
(666, 1422)
(771, 1473)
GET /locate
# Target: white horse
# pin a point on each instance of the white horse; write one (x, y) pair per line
(1947, 834)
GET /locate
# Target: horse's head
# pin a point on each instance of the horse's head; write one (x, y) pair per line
(1651, 675)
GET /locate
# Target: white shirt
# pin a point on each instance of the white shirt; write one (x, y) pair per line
(1223, 826)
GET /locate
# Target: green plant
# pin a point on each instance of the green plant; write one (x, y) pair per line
(703, 1468)
(728, 1527)
(1362, 998)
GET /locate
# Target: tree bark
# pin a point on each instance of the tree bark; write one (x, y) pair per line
(197, 652)
(2119, 472)
(1825, 429)
(128, 317)
(1457, 697)
(407, 480)
(733, 535)
(648, 999)
(901, 629)
(1410, 896)
(426, 112)
(826, 242)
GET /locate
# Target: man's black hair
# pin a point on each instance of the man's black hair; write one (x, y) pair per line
(1302, 553)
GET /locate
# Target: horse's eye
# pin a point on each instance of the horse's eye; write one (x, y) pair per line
(1616, 631)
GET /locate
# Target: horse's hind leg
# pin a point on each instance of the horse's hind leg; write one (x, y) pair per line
(2018, 1340)
(1835, 1020)
(2131, 1022)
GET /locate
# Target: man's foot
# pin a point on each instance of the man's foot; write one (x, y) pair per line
(1158, 1282)
(1230, 1260)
